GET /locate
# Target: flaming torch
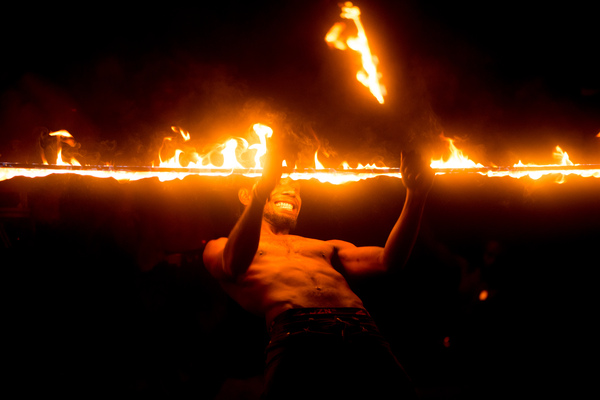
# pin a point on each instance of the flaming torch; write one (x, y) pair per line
(337, 38)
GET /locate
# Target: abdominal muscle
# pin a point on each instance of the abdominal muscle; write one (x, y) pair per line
(295, 273)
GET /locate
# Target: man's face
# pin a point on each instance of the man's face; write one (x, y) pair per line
(284, 204)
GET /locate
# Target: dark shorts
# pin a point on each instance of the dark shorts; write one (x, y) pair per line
(331, 353)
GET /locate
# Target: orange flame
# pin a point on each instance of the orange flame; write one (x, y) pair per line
(263, 132)
(368, 75)
(318, 164)
(456, 160)
(231, 152)
(563, 160)
(561, 155)
(184, 134)
(236, 155)
(62, 136)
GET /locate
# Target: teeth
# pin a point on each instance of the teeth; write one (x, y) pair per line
(287, 206)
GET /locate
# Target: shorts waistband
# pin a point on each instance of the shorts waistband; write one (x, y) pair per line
(298, 312)
(298, 317)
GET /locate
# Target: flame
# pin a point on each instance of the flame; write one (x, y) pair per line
(184, 134)
(236, 155)
(62, 136)
(333, 36)
(318, 164)
(232, 151)
(343, 175)
(368, 75)
(176, 160)
(456, 160)
(346, 166)
(562, 157)
(263, 133)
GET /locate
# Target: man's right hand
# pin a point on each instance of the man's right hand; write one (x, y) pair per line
(272, 169)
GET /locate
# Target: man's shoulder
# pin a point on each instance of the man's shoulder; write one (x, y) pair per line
(212, 258)
(220, 242)
(214, 249)
(340, 244)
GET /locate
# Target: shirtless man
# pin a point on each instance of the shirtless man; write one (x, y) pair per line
(300, 285)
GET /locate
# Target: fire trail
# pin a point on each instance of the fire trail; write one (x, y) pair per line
(330, 175)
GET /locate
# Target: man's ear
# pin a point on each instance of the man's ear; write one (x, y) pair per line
(244, 196)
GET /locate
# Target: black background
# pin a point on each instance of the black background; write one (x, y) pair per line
(512, 80)
(129, 307)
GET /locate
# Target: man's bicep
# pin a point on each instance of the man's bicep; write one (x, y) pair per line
(358, 262)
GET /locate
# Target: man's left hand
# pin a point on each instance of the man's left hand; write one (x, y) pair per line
(417, 175)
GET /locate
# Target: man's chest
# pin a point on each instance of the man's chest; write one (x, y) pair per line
(294, 246)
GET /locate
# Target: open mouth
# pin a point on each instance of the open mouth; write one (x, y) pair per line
(284, 205)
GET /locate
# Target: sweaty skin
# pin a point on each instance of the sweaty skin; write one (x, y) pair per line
(267, 270)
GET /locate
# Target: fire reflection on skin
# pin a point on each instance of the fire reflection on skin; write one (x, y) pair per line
(283, 206)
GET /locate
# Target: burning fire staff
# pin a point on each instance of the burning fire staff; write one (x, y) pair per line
(324, 344)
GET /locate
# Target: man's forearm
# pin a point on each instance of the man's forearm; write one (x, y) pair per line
(243, 239)
(404, 233)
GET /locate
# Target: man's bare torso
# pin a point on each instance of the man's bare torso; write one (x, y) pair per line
(291, 271)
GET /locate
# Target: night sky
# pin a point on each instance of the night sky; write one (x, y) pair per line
(509, 80)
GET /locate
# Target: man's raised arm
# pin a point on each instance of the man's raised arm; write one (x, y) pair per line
(417, 177)
(230, 257)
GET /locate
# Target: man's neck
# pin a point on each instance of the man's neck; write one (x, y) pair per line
(270, 229)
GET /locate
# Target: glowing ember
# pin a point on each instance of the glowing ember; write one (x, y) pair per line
(368, 75)
(483, 295)
(447, 341)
